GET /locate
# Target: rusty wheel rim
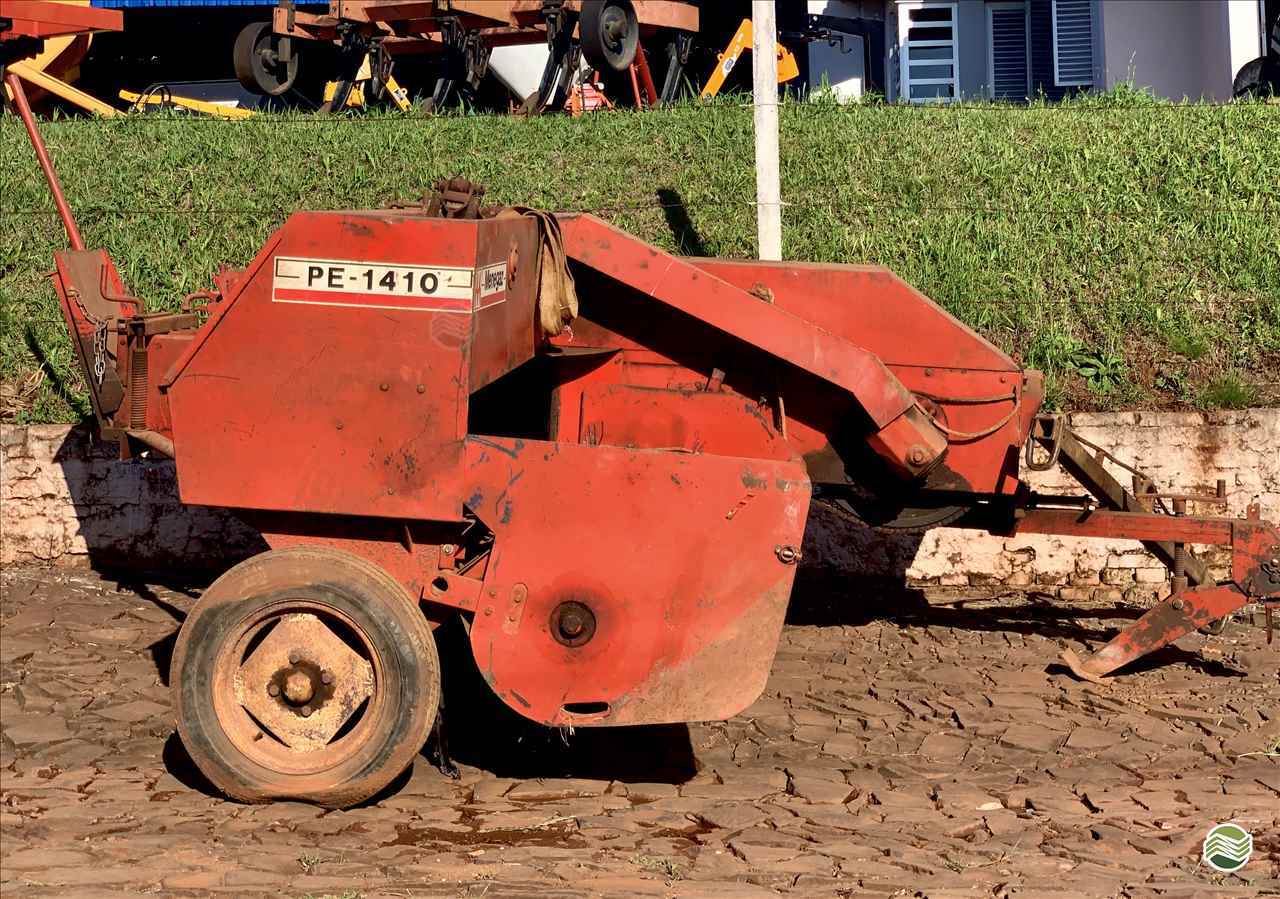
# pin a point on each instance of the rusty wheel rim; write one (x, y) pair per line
(297, 686)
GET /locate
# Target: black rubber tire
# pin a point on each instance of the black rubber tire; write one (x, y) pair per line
(252, 71)
(601, 50)
(1249, 81)
(391, 622)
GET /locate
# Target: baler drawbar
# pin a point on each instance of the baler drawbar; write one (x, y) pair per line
(601, 455)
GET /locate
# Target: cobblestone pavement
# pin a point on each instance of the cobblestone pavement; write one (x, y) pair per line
(901, 748)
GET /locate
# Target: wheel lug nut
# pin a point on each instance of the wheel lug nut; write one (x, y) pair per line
(306, 711)
(326, 677)
(273, 689)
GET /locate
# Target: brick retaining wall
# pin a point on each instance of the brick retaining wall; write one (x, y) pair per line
(67, 501)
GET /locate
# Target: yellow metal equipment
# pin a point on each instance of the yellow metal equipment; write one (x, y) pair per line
(164, 98)
(788, 68)
(355, 97)
(56, 86)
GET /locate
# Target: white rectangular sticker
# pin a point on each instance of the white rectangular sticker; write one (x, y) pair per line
(338, 282)
(493, 281)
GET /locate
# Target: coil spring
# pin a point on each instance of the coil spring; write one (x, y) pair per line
(138, 388)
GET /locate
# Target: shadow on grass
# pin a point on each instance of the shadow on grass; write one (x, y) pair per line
(56, 381)
(688, 241)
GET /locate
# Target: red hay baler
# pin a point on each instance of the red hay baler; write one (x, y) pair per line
(601, 455)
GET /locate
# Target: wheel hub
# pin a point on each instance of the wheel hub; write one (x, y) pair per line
(298, 688)
(614, 26)
(303, 683)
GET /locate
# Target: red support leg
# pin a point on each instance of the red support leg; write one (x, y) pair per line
(1174, 618)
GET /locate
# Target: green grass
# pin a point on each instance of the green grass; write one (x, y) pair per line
(1228, 391)
(1096, 240)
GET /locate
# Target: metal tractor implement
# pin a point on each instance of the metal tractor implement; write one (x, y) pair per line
(357, 42)
(600, 455)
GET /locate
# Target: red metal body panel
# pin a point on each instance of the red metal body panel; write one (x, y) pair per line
(365, 391)
(943, 359)
(682, 285)
(409, 552)
(675, 553)
(871, 305)
(716, 422)
(664, 347)
(44, 18)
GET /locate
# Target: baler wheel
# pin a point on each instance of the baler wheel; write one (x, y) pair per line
(305, 673)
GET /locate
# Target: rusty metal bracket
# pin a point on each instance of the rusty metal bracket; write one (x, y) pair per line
(455, 198)
(1265, 579)
(1051, 427)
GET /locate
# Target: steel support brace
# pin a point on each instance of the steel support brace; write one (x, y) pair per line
(1091, 474)
(42, 156)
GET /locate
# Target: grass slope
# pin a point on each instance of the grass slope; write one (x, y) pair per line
(1130, 248)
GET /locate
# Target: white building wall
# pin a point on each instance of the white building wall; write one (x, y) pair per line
(1244, 32)
(843, 71)
(1179, 48)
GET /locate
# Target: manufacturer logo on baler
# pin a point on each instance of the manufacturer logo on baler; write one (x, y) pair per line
(338, 282)
(493, 285)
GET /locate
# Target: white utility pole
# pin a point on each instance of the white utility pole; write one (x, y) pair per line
(764, 71)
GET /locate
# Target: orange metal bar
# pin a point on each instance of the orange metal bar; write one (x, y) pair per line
(46, 165)
(43, 18)
(641, 67)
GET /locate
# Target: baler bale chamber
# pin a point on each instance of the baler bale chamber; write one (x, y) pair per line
(600, 455)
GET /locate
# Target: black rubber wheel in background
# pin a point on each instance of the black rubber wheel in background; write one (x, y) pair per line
(257, 64)
(609, 33)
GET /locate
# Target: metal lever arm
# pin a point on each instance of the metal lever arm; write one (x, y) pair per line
(904, 436)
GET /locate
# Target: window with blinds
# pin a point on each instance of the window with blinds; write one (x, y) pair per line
(1008, 56)
(1073, 42)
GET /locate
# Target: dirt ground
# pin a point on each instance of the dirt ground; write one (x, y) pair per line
(902, 747)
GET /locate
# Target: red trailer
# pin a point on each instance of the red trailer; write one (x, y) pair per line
(599, 454)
